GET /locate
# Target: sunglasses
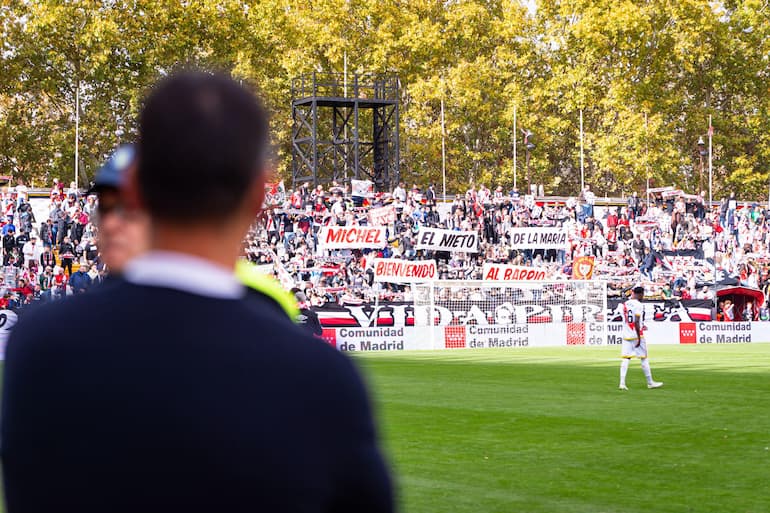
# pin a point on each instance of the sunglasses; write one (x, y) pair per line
(108, 207)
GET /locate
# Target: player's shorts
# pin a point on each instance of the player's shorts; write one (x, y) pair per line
(630, 350)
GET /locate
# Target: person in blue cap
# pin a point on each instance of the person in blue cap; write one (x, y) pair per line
(122, 234)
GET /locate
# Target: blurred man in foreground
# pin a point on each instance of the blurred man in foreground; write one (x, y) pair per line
(186, 395)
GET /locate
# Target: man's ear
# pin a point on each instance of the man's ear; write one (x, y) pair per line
(130, 192)
(256, 196)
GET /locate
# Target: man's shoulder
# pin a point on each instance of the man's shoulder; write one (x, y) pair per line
(286, 337)
(76, 307)
(39, 328)
(249, 322)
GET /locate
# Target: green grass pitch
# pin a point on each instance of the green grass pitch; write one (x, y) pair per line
(547, 430)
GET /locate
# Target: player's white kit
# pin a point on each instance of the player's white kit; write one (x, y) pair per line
(8, 319)
(631, 310)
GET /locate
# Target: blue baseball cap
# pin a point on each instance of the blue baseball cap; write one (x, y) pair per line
(112, 173)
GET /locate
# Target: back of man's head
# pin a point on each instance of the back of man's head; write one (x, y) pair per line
(202, 143)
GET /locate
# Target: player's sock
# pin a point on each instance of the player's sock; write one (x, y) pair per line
(623, 371)
(647, 371)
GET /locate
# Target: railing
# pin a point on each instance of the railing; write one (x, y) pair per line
(334, 85)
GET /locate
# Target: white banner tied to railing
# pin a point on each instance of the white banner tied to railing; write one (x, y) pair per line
(436, 239)
(363, 188)
(539, 238)
(352, 237)
(404, 271)
(382, 216)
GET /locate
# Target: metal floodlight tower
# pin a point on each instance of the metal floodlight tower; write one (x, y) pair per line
(345, 130)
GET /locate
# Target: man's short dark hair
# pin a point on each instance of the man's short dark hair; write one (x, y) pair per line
(202, 142)
(638, 290)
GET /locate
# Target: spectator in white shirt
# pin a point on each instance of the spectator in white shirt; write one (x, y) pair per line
(22, 193)
(31, 251)
(705, 293)
(337, 208)
(399, 192)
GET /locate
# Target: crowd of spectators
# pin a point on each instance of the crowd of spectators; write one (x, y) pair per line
(47, 258)
(669, 241)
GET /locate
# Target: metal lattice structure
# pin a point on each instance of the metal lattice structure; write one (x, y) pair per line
(345, 129)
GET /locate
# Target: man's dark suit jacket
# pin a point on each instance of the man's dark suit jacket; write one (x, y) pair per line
(135, 398)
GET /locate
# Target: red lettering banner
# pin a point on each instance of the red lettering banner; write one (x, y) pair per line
(352, 237)
(404, 271)
(504, 272)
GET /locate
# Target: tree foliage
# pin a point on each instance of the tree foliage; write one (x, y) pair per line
(646, 75)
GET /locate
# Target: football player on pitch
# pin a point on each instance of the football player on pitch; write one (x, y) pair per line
(634, 344)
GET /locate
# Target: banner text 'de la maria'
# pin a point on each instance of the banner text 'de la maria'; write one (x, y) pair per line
(538, 238)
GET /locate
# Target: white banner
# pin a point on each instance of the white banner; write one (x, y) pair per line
(730, 332)
(380, 338)
(352, 237)
(512, 272)
(436, 239)
(510, 335)
(472, 336)
(672, 194)
(382, 216)
(363, 188)
(539, 238)
(404, 271)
